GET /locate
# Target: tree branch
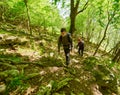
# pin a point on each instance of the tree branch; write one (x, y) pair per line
(84, 7)
(108, 10)
(77, 4)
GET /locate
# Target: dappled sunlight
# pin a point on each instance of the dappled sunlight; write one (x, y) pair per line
(45, 53)
(55, 69)
(30, 90)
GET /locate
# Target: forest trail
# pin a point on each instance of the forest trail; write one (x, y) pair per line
(29, 61)
(36, 64)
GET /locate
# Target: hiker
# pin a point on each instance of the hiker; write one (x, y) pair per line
(66, 40)
(80, 46)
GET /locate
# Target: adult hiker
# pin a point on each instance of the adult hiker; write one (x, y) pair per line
(80, 46)
(66, 40)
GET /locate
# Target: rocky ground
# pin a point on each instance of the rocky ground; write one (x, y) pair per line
(32, 66)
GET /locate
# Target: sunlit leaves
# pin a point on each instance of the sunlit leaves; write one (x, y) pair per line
(116, 4)
(16, 10)
(42, 13)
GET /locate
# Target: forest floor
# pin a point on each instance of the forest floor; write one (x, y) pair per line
(32, 66)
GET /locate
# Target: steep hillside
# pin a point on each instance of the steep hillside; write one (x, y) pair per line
(32, 66)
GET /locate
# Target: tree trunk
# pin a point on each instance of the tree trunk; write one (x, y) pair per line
(72, 17)
(72, 23)
(116, 58)
(102, 38)
(107, 44)
(28, 15)
(105, 31)
(74, 12)
(113, 50)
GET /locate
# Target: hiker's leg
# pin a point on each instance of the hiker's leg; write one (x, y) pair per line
(67, 55)
(82, 51)
(79, 51)
(65, 51)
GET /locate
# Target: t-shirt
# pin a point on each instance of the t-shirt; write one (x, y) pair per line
(65, 41)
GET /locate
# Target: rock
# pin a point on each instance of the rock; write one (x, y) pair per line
(75, 61)
(54, 69)
(51, 54)
(2, 89)
(95, 90)
(2, 36)
(12, 40)
(43, 72)
(24, 41)
(1, 42)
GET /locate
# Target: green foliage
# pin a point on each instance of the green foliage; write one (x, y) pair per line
(16, 11)
(81, 94)
(63, 83)
(45, 16)
(53, 87)
(7, 65)
(50, 61)
(29, 76)
(103, 73)
(90, 63)
(41, 13)
(11, 57)
(16, 82)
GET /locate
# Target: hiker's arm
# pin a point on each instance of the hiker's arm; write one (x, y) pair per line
(71, 42)
(77, 45)
(59, 44)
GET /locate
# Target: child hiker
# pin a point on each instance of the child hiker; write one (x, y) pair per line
(80, 46)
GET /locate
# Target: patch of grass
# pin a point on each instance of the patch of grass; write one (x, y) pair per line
(51, 61)
(90, 63)
(19, 82)
(2, 31)
(11, 57)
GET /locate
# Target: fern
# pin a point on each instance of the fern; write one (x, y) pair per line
(63, 83)
(53, 87)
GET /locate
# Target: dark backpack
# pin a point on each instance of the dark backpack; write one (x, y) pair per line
(68, 36)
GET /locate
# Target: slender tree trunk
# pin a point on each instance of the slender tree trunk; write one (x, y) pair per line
(113, 50)
(88, 34)
(107, 44)
(98, 38)
(105, 31)
(2, 9)
(82, 34)
(116, 58)
(28, 15)
(44, 25)
(102, 37)
(72, 17)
